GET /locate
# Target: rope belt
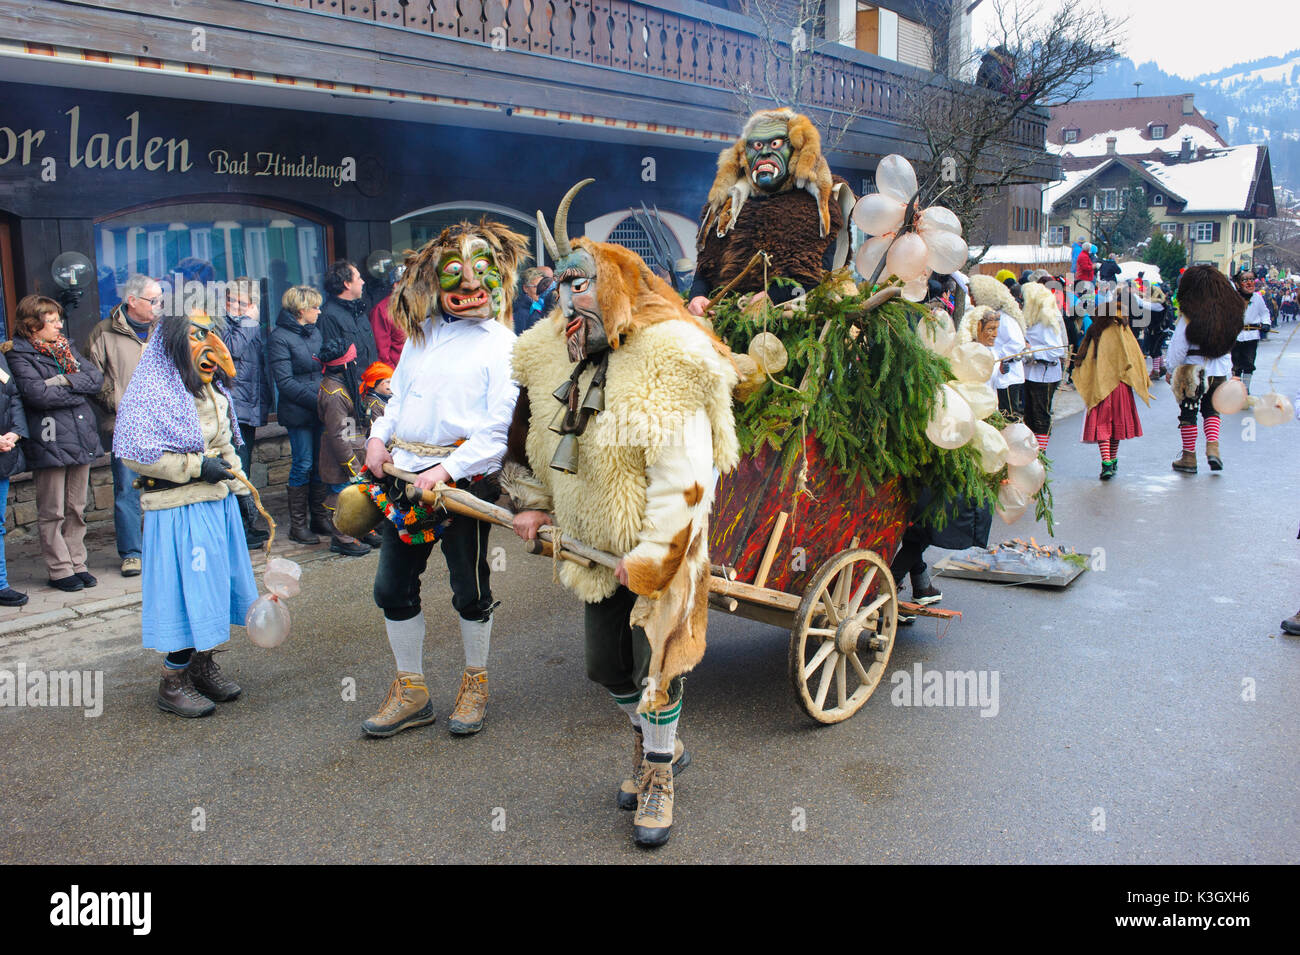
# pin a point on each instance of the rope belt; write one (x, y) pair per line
(425, 450)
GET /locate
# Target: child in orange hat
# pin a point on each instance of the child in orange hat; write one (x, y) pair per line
(376, 389)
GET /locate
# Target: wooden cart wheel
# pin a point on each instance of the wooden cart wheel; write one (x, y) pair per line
(843, 635)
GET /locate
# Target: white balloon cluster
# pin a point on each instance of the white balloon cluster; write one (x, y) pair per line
(959, 412)
(1270, 410)
(268, 618)
(935, 245)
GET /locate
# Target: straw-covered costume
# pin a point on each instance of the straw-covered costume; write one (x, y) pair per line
(624, 421)
(176, 427)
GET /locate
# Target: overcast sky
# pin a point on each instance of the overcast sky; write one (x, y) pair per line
(1190, 37)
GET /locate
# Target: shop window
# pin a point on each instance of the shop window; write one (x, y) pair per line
(210, 241)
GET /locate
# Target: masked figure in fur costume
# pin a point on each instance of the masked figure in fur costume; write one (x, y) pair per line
(774, 193)
(176, 428)
(452, 398)
(623, 422)
(1200, 353)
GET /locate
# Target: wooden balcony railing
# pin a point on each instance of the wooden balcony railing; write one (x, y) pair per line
(658, 40)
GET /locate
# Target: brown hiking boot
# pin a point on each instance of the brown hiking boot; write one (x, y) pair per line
(654, 808)
(1291, 624)
(207, 679)
(1212, 455)
(628, 789)
(176, 694)
(1186, 462)
(471, 704)
(406, 705)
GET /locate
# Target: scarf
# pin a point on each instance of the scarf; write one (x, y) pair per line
(60, 350)
(157, 414)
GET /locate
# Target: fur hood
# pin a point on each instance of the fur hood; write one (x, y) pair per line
(970, 322)
(1041, 308)
(986, 290)
(808, 170)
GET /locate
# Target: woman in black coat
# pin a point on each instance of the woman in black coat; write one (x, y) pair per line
(13, 428)
(56, 384)
(296, 371)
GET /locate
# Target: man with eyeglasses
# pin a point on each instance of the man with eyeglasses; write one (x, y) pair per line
(114, 348)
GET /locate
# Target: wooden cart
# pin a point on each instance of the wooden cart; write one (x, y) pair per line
(821, 569)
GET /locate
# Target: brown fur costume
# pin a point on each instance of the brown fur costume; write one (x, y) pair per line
(795, 226)
(667, 374)
(416, 296)
(1214, 310)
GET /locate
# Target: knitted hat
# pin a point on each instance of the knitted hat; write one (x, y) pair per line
(1005, 274)
(337, 351)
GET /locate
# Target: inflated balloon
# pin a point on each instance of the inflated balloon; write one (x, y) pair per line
(768, 353)
(906, 257)
(937, 219)
(952, 424)
(267, 621)
(896, 178)
(992, 447)
(878, 213)
(1273, 409)
(917, 289)
(1012, 503)
(282, 577)
(937, 333)
(947, 252)
(1028, 477)
(972, 362)
(1229, 397)
(870, 254)
(1022, 445)
(983, 400)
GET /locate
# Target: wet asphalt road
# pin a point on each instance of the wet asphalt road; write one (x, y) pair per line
(1120, 701)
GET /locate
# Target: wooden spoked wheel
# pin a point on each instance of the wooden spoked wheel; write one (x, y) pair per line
(843, 635)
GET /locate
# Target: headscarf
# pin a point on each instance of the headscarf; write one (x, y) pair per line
(157, 415)
(374, 375)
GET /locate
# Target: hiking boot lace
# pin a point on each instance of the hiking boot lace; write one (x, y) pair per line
(658, 787)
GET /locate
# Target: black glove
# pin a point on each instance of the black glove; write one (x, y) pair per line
(215, 470)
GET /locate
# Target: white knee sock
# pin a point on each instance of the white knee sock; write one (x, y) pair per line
(406, 637)
(660, 730)
(476, 635)
(628, 705)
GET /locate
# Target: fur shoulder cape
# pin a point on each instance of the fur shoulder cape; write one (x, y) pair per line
(986, 290)
(1041, 308)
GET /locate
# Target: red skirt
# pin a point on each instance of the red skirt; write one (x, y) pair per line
(1114, 419)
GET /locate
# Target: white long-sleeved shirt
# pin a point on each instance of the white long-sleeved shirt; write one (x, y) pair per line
(1177, 355)
(1044, 366)
(1010, 341)
(454, 386)
(1256, 314)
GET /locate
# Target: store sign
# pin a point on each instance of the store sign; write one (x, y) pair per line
(135, 151)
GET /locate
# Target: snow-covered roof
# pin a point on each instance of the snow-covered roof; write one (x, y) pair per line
(1133, 142)
(1056, 191)
(1218, 183)
(1026, 254)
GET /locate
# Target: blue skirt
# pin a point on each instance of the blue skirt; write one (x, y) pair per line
(197, 578)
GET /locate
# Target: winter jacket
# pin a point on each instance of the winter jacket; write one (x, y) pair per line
(1083, 269)
(350, 321)
(12, 418)
(343, 435)
(389, 339)
(113, 348)
(61, 412)
(251, 389)
(295, 369)
(1109, 271)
